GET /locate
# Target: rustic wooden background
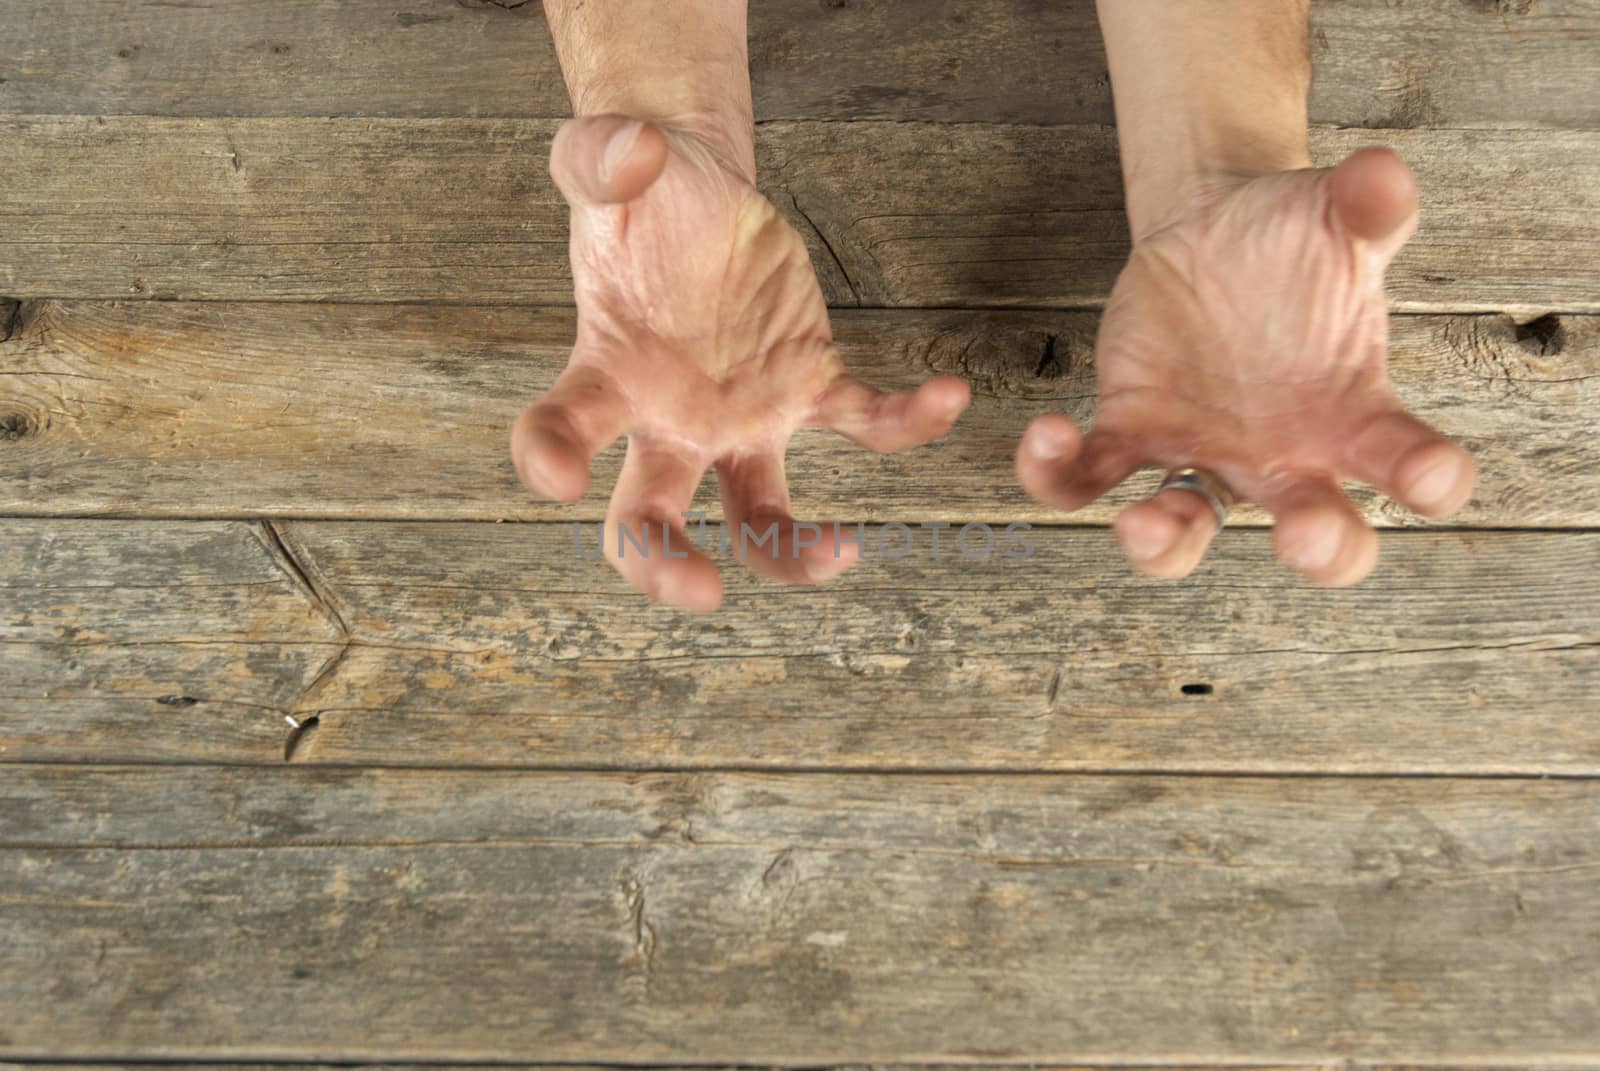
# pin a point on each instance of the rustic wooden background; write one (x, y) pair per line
(279, 275)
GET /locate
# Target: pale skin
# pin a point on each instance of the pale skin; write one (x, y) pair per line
(702, 331)
(1247, 334)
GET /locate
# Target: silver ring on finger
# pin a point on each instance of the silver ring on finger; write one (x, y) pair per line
(1202, 483)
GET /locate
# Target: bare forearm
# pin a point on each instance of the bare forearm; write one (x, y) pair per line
(681, 63)
(1205, 90)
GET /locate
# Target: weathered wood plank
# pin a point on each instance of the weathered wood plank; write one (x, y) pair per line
(391, 1065)
(993, 215)
(779, 919)
(919, 214)
(157, 1065)
(1428, 63)
(221, 409)
(496, 645)
(106, 629)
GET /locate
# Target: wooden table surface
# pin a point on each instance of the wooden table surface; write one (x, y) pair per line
(277, 278)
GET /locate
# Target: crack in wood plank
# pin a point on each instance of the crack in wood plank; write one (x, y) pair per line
(822, 238)
(10, 318)
(303, 716)
(272, 538)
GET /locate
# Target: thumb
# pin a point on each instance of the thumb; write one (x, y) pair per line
(606, 159)
(1374, 194)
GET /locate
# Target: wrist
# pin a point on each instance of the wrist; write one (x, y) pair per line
(1208, 93)
(1166, 176)
(681, 64)
(713, 121)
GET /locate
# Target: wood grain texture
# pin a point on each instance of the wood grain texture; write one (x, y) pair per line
(798, 920)
(1427, 63)
(392, 1065)
(991, 215)
(220, 409)
(447, 644)
(897, 214)
(905, 873)
(159, 1065)
(104, 632)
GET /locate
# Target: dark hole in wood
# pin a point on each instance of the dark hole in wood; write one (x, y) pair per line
(1544, 336)
(14, 426)
(1049, 366)
(178, 700)
(1196, 689)
(297, 735)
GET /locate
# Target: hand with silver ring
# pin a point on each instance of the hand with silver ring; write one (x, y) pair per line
(1200, 482)
(1246, 341)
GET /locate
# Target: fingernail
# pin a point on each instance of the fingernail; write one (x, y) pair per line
(618, 147)
(1318, 551)
(667, 589)
(1047, 444)
(821, 570)
(1436, 482)
(1145, 545)
(955, 399)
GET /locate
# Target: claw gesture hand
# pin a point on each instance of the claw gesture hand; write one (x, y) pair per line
(1248, 336)
(704, 338)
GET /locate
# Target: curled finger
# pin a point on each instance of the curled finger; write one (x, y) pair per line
(556, 439)
(1065, 469)
(1413, 464)
(1167, 535)
(644, 530)
(1318, 532)
(606, 159)
(764, 534)
(887, 422)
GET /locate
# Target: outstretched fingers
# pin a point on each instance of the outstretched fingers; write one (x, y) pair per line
(644, 535)
(555, 439)
(1412, 464)
(1318, 532)
(888, 422)
(1065, 469)
(764, 534)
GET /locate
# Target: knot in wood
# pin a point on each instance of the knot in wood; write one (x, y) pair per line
(17, 425)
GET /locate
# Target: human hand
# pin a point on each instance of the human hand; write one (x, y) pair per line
(1248, 336)
(704, 337)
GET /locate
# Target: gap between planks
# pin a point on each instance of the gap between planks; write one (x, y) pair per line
(733, 769)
